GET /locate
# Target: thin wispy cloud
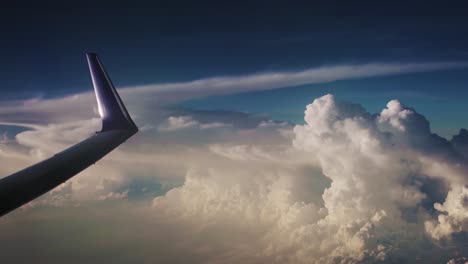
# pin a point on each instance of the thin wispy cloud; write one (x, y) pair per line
(279, 79)
(156, 96)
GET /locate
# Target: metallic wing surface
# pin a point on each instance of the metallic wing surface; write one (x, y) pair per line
(117, 126)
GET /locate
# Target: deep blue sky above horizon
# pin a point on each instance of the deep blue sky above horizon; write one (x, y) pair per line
(43, 51)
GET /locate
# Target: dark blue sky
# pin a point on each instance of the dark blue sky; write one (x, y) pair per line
(42, 48)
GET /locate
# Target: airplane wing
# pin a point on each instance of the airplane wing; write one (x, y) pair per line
(117, 126)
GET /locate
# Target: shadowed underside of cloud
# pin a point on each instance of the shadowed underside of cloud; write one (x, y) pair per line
(346, 187)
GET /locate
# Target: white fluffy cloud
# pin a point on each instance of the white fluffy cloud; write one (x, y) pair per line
(350, 187)
(345, 187)
(375, 178)
(177, 123)
(453, 215)
(174, 123)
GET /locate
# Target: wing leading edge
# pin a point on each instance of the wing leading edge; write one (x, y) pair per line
(117, 126)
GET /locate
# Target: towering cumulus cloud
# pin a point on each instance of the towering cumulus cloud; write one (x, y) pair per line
(348, 186)
(376, 188)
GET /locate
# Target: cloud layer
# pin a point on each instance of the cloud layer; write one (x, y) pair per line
(348, 186)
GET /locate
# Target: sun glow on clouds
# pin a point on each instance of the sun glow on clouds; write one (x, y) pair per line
(358, 219)
(345, 187)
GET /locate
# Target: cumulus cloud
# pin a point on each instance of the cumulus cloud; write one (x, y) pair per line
(374, 180)
(175, 123)
(348, 186)
(314, 196)
(453, 215)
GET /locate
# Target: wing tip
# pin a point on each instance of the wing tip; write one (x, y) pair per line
(111, 108)
(90, 55)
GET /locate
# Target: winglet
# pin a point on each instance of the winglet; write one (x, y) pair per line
(111, 108)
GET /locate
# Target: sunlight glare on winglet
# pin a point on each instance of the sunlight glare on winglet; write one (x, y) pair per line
(111, 108)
